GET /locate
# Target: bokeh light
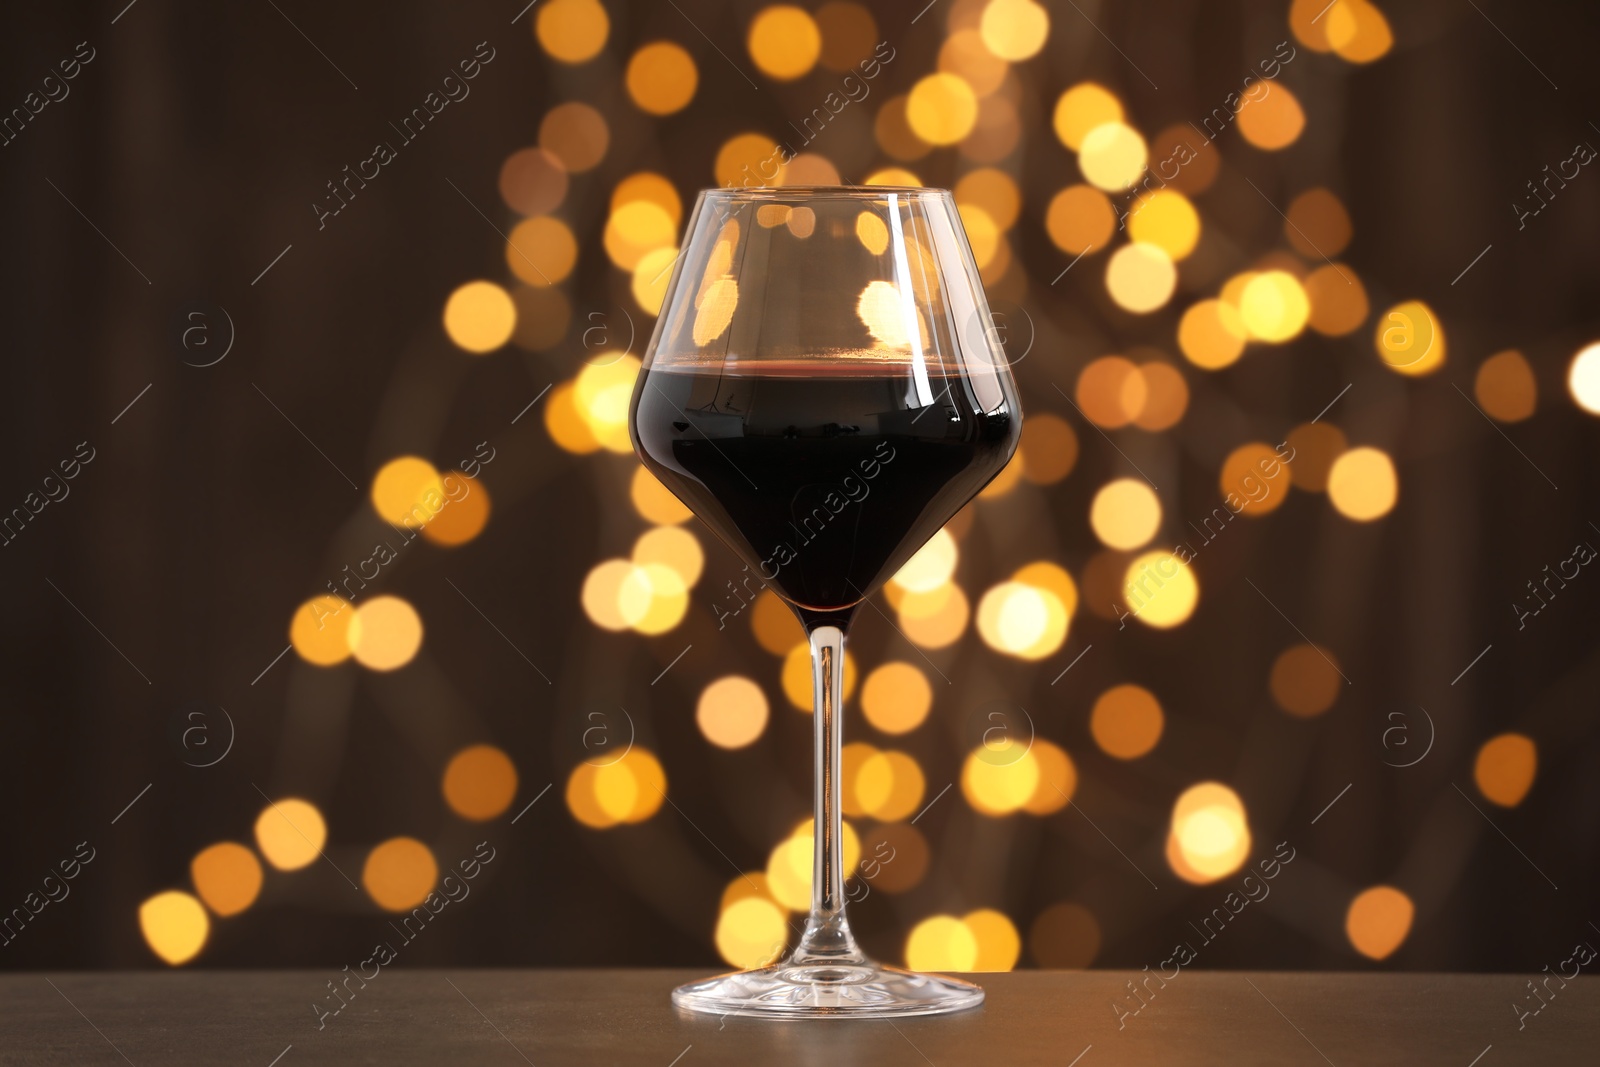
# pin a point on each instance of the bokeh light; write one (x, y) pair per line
(1362, 484)
(1049, 448)
(1505, 769)
(941, 943)
(1583, 378)
(290, 833)
(931, 566)
(1079, 218)
(896, 697)
(1112, 156)
(1410, 339)
(654, 502)
(1378, 921)
(479, 317)
(1505, 387)
(1141, 277)
(540, 251)
(1000, 777)
(174, 925)
(573, 31)
(732, 712)
(479, 782)
(1126, 721)
(319, 630)
(1082, 108)
(784, 42)
(751, 932)
(942, 108)
(661, 78)
(1160, 589)
(1210, 837)
(1014, 30)
(1304, 680)
(399, 873)
(999, 944)
(1125, 513)
(1211, 334)
(576, 134)
(465, 513)
(227, 876)
(1274, 120)
(385, 634)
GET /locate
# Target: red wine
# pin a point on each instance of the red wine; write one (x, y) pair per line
(824, 477)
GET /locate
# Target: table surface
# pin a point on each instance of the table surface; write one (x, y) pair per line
(1063, 1018)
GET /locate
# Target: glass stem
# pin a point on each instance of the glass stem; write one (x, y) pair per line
(827, 938)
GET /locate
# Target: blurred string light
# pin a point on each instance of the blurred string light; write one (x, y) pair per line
(1210, 836)
(1378, 921)
(629, 789)
(174, 925)
(1505, 768)
(479, 782)
(1304, 680)
(399, 873)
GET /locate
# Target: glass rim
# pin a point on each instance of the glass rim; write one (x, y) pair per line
(823, 192)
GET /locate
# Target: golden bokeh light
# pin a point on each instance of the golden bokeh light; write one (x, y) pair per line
(479, 317)
(931, 566)
(941, 943)
(1505, 387)
(654, 502)
(576, 134)
(581, 799)
(1080, 217)
(602, 594)
(1166, 219)
(319, 630)
(889, 786)
(1141, 277)
(1166, 396)
(1358, 31)
(1125, 514)
(636, 229)
(651, 187)
(1505, 769)
(1049, 448)
(999, 944)
(602, 394)
(1053, 578)
(896, 697)
(465, 514)
(1583, 378)
(1363, 485)
(784, 42)
(674, 547)
(1210, 833)
(479, 782)
(650, 277)
(572, 31)
(789, 864)
(1410, 339)
(1126, 721)
(892, 176)
(385, 634)
(1307, 18)
(1014, 30)
(408, 491)
(935, 619)
(942, 108)
(1338, 300)
(1111, 392)
(994, 191)
(175, 926)
(751, 932)
(1274, 306)
(541, 251)
(1160, 589)
(661, 78)
(1253, 481)
(773, 622)
(1082, 108)
(892, 130)
(1211, 334)
(732, 712)
(227, 876)
(290, 833)
(964, 53)
(1379, 920)
(1000, 777)
(533, 182)
(1058, 779)
(627, 790)
(749, 160)
(1112, 156)
(851, 759)
(399, 873)
(1318, 224)
(1025, 621)
(653, 598)
(1304, 680)
(1272, 121)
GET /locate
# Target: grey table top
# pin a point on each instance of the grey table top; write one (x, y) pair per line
(546, 1018)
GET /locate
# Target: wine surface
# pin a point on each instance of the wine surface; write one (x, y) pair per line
(823, 477)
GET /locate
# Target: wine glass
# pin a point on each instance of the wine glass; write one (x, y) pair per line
(825, 390)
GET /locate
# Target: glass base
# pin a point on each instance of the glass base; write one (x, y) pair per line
(814, 991)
